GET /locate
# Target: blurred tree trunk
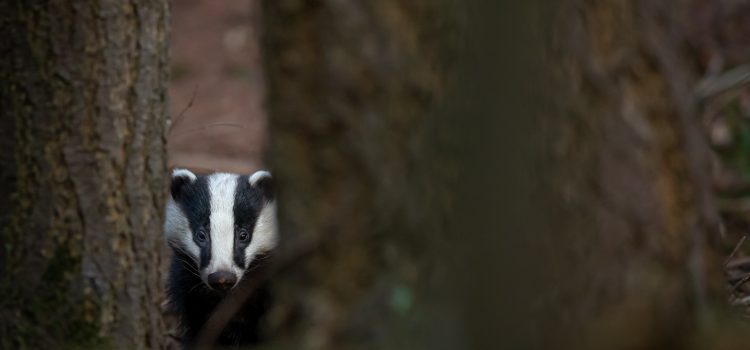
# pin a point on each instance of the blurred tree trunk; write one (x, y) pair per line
(634, 176)
(570, 205)
(351, 84)
(83, 104)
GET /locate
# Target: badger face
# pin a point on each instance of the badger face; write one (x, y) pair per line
(220, 223)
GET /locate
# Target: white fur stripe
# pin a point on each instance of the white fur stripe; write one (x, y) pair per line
(222, 188)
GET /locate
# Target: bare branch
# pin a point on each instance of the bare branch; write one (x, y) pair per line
(734, 251)
(179, 116)
(234, 301)
(713, 85)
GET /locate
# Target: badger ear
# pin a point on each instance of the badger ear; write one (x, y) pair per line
(180, 177)
(263, 181)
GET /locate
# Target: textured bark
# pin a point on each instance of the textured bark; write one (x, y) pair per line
(83, 116)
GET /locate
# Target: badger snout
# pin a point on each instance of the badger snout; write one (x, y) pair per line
(222, 280)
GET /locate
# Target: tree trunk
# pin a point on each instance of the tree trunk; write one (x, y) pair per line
(351, 86)
(83, 117)
(570, 204)
(635, 174)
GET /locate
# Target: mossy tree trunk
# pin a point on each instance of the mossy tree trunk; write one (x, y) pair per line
(83, 104)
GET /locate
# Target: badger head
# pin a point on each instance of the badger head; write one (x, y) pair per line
(220, 223)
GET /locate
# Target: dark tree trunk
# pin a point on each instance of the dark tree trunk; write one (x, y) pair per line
(635, 181)
(351, 86)
(583, 210)
(83, 103)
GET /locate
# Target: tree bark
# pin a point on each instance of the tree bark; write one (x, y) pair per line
(83, 117)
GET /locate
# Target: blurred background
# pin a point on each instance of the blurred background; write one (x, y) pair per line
(216, 87)
(451, 174)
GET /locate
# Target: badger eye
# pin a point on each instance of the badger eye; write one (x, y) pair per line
(202, 235)
(244, 236)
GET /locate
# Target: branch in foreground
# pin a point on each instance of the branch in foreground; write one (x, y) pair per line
(234, 301)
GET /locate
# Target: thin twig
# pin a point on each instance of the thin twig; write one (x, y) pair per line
(208, 126)
(744, 301)
(734, 251)
(713, 85)
(179, 116)
(740, 283)
(233, 302)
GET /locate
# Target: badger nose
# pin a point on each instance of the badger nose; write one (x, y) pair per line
(222, 280)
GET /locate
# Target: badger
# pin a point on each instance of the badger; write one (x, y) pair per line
(220, 227)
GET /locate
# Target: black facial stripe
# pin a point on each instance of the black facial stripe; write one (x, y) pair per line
(248, 201)
(195, 201)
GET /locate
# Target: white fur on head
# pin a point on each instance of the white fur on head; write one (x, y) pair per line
(176, 226)
(178, 233)
(265, 233)
(257, 176)
(222, 188)
(183, 173)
